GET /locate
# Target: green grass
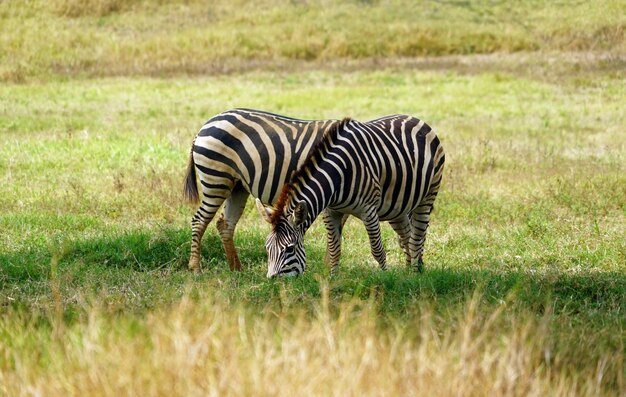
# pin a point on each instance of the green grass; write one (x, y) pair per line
(531, 215)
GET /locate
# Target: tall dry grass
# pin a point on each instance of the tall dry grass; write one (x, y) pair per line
(204, 347)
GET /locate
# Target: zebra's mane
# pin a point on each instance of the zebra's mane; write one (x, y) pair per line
(285, 194)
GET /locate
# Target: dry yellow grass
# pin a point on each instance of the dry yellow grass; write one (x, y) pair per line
(200, 347)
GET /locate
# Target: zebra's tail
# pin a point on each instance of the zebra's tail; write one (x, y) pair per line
(190, 190)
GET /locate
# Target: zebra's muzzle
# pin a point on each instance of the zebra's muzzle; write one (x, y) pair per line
(283, 273)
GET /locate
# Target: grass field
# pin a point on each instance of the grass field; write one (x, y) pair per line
(46, 39)
(524, 291)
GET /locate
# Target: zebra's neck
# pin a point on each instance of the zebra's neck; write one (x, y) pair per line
(316, 181)
(316, 184)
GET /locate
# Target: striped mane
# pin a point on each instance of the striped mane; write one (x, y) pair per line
(330, 134)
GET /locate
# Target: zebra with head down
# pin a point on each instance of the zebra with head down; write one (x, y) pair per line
(387, 169)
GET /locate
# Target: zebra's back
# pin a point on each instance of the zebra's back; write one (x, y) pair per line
(259, 149)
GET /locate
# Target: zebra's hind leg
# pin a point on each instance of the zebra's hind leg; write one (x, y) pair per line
(402, 227)
(334, 221)
(420, 217)
(372, 225)
(419, 224)
(199, 222)
(233, 208)
(214, 192)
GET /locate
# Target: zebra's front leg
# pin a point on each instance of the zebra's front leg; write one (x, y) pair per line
(233, 208)
(372, 225)
(334, 221)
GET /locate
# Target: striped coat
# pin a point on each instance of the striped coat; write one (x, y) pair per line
(238, 153)
(388, 169)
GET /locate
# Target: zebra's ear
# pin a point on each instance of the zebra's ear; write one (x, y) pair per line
(266, 212)
(299, 213)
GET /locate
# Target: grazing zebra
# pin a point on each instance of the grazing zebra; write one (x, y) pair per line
(238, 153)
(387, 169)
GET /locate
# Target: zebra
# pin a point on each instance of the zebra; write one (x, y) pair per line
(238, 153)
(388, 169)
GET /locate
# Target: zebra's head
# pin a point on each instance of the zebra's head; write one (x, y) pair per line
(285, 244)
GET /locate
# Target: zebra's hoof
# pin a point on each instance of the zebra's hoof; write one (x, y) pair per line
(194, 267)
(235, 266)
(420, 265)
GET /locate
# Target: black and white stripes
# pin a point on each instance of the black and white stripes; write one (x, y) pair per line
(238, 153)
(388, 169)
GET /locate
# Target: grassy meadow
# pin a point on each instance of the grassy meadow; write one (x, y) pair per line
(524, 289)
